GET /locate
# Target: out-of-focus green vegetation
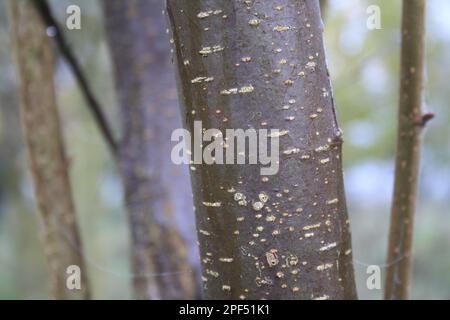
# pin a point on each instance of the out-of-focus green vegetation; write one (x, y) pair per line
(364, 68)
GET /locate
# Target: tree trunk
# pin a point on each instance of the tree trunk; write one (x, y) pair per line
(44, 141)
(158, 193)
(410, 125)
(251, 64)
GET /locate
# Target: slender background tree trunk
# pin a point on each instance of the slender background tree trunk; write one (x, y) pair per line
(410, 125)
(44, 140)
(158, 193)
(297, 246)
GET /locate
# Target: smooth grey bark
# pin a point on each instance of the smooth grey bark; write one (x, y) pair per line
(158, 193)
(256, 64)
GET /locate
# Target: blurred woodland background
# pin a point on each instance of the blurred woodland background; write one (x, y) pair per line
(364, 66)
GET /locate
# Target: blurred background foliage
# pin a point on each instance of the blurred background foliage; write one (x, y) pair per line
(364, 65)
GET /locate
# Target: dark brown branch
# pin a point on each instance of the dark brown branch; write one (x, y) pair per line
(411, 121)
(46, 14)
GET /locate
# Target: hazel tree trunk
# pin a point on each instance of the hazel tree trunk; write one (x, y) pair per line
(256, 64)
(158, 193)
(411, 122)
(49, 166)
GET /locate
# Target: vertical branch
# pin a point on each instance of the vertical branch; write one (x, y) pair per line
(34, 55)
(281, 236)
(158, 193)
(410, 124)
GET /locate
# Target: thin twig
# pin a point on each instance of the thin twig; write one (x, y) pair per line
(46, 13)
(411, 120)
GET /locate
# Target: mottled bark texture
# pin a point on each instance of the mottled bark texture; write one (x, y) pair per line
(298, 245)
(158, 193)
(44, 141)
(410, 124)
